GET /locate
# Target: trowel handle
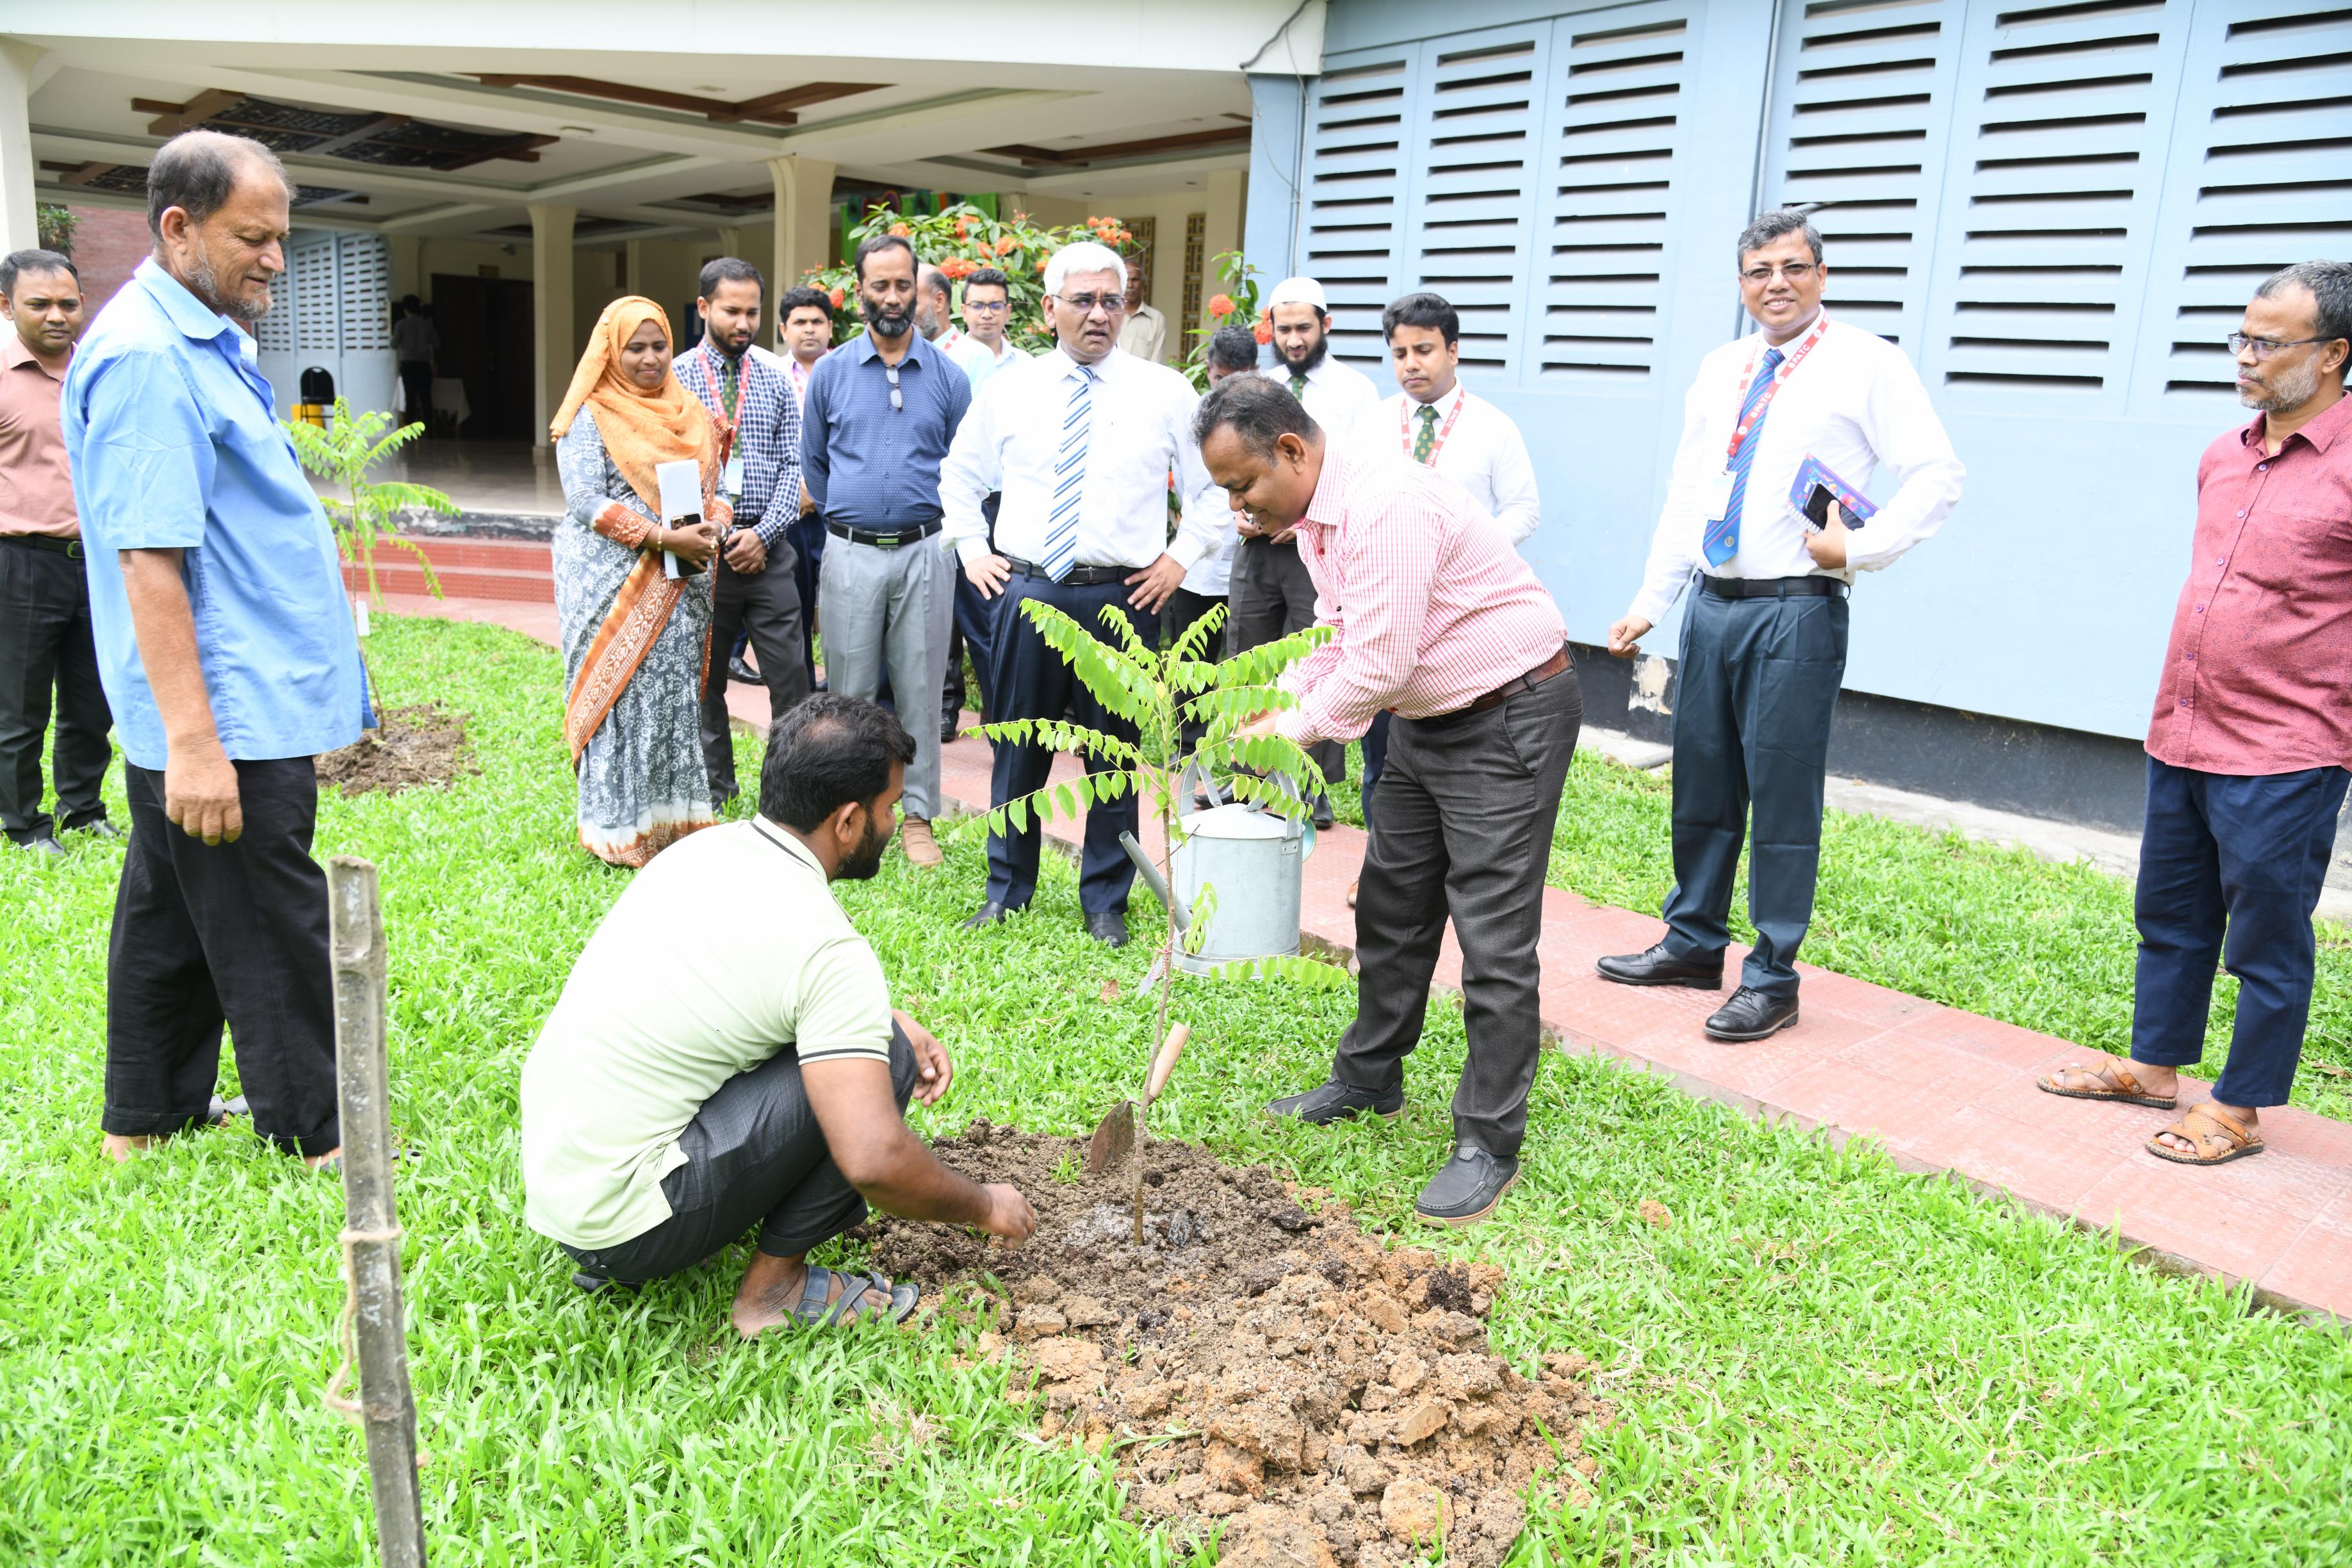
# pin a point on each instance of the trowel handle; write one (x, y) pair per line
(1156, 882)
(1165, 1063)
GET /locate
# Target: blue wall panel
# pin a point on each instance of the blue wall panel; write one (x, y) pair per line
(2057, 210)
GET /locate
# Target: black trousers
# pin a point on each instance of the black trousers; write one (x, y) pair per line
(973, 627)
(1462, 828)
(1183, 608)
(416, 391)
(45, 647)
(2231, 869)
(754, 1155)
(808, 536)
(236, 934)
(1032, 682)
(1272, 596)
(1753, 696)
(1375, 759)
(766, 605)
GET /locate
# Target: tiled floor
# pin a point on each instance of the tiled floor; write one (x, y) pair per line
(491, 477)
(1940, 1089)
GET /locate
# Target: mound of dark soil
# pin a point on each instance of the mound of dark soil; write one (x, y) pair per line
(1260, 1360)
(417, 746)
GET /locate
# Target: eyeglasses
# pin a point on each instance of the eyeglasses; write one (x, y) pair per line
(898, 402)
(1795, 272)
(2264, 348)
(1086, 304)
(970, 305)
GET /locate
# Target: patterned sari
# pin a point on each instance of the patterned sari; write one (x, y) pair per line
(635, 640)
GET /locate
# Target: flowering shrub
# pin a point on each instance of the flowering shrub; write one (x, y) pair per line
(960, 241)
(1237, 302)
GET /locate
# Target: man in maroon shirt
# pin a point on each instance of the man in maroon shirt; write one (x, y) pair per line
(2252, 732)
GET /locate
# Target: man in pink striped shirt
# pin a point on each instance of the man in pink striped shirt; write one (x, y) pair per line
(1437, 620)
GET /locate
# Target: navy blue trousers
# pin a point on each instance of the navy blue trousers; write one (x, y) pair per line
(808, 537)
(1753, 695)
(1030, 681)
(2231, 869)
(1376, 762)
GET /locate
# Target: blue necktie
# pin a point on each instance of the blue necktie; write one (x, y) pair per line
(1723, 538)
(1069, 480)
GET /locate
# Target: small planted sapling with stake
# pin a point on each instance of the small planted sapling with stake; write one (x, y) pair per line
(363, 516)
(1159, 692)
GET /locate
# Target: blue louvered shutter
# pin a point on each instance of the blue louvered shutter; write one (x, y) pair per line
(1352, 196)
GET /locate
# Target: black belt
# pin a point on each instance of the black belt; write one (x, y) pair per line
(1773, 587)
(881, 539)
(48, 541)
(1079, 577)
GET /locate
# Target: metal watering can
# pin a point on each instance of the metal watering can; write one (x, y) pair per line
(1255, 861)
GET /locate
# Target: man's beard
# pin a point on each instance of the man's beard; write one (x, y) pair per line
(867, 859)
(208, 286)
(885, 322)
(2286, 390)
(1313, 358)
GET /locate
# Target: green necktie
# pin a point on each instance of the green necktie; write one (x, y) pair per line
(1298, 386)
(1424, 444)
(727, 385)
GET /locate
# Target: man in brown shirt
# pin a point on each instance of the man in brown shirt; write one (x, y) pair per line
(45, 636)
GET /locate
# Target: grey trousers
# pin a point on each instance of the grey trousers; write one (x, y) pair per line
(892, 609)
(754, 1155)
(1462, 826)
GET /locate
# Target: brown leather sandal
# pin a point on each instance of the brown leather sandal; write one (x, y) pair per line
(2218, 1137)
(2111, 1080)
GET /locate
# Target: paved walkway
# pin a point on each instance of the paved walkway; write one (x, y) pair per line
(1941, 1089)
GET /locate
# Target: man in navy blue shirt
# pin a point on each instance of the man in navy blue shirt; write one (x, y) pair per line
(881, 412)
(225, 644)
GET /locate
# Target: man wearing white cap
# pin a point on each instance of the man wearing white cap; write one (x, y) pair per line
(1272, 594)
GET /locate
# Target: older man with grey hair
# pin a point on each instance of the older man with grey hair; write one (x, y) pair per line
(1764, 640)
(225, 644)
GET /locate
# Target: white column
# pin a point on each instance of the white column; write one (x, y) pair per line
(551, 311)
(803, 217)
(20, 73)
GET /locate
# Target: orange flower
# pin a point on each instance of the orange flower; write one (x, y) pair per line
(1124, 236)
(1264, 331)
(963, 228)
(1041, 263)
(1221, 304)
(1005, 245)
(835, 295)
(899, 228)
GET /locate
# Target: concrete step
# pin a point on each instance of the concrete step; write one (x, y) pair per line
(516, 570)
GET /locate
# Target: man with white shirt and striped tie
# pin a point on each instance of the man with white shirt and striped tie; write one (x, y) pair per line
(1764, 640)
(1080, 442)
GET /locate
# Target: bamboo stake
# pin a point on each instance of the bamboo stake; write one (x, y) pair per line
(373, 1315)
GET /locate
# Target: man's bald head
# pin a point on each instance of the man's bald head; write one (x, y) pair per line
(199, 171)
(932, 294)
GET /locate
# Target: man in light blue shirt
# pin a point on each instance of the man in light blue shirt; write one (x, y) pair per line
(225, 646)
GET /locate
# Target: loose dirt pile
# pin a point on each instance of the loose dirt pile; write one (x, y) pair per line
(418, 746)
(1260, 1360)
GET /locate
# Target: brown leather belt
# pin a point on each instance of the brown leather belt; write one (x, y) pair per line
(1517, 684)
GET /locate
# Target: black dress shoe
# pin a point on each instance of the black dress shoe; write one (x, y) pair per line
(44, 844)
(1751, 1014)
(101, 828)
(988, 914)
(737, 670)
(950, 729)
(1107, 927)
(1657, 967)
(1323, 817)
(1467, 1189)
(1336, 1101)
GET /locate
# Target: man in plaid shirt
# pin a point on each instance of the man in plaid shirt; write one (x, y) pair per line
(758, 415)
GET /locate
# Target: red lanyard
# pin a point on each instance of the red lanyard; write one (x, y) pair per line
(1780, 377)
(1404, 423)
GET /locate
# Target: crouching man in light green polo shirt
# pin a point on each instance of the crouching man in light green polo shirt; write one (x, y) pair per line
(725, 1054)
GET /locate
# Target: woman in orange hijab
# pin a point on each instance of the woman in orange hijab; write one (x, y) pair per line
(633, 590)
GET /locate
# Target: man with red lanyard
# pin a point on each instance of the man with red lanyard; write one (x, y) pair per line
(1763, 642)
(1437, 620)
(1434, 421)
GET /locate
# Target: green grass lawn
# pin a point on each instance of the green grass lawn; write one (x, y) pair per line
(1997, 931)
(1820, 1361)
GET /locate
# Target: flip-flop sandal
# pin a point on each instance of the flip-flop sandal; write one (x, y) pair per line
(2218, 1137)
(2121, 1087)
(819, 1309)
(218, 1113)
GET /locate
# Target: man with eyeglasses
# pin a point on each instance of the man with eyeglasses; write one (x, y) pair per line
(1764, 640)
(987, 312)
(880, 414)
(1080, 441)
(2252, 737)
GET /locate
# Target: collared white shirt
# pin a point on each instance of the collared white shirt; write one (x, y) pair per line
(1339, 396)
(979, 360)
(1484, 453)
(1855, 402)
(1140, 429)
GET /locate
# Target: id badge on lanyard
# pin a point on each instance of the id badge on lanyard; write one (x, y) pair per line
(1719, 492)
(732, 480)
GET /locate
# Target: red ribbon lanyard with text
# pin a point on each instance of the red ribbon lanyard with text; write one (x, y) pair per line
(1780, 378)
(1404, 423)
